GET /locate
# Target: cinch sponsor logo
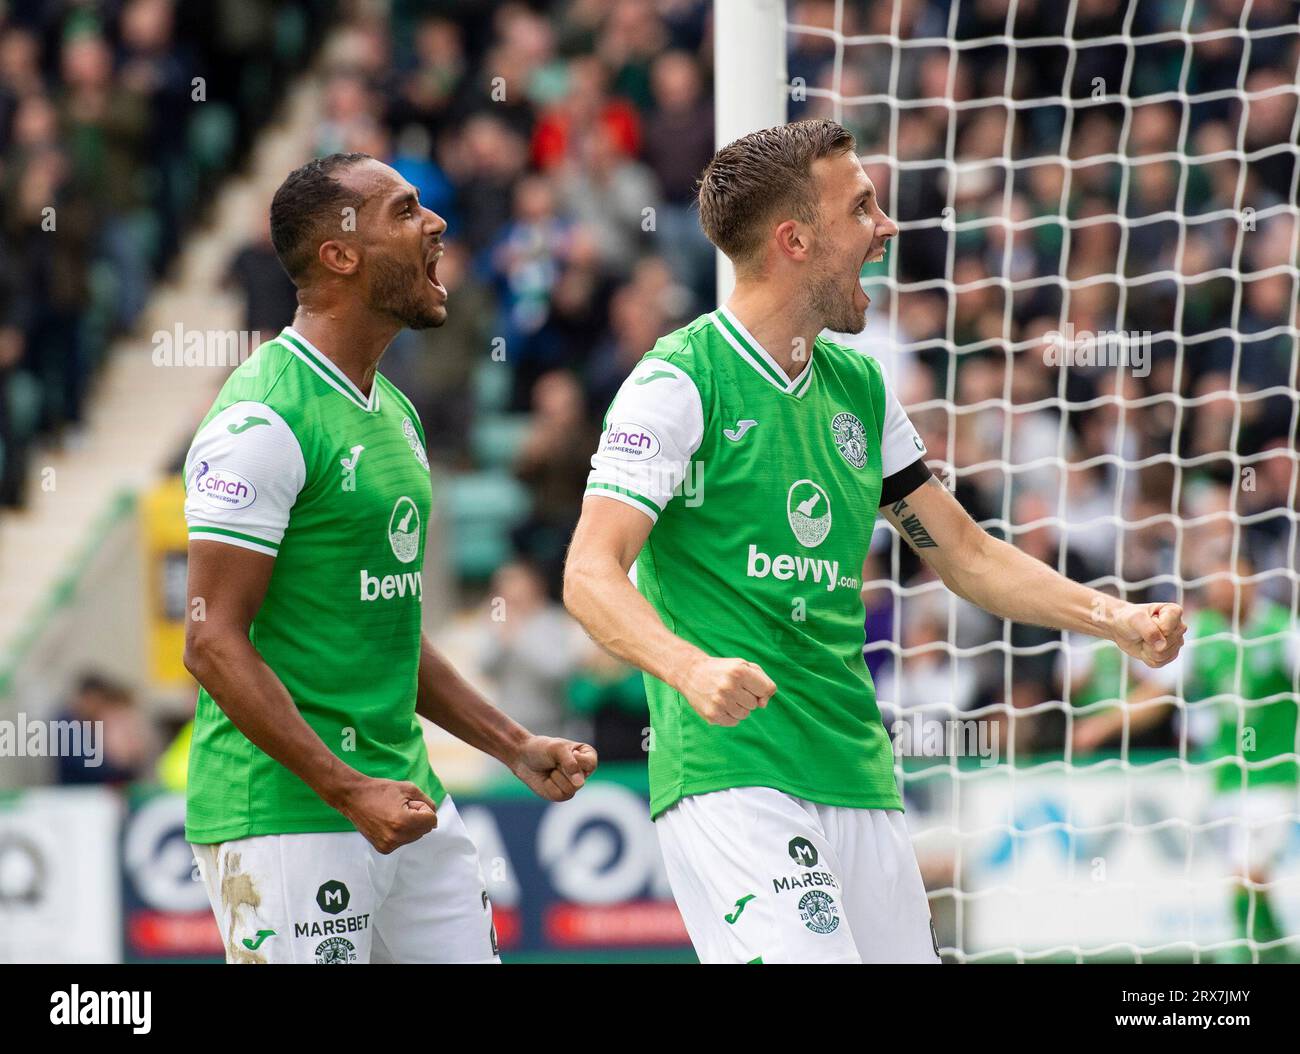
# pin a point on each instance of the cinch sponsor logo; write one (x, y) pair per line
(800, 568)
(630, 442)
(407, 584)
(223, 488)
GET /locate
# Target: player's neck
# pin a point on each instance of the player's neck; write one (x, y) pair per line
(354, 345)
(780, 331)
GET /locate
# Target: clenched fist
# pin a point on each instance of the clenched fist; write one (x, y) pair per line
(1150, 632)
(726, 691)
(389, 813)
(554, 768)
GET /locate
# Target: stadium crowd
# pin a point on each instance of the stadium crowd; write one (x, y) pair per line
(562, 141)
(117, 119)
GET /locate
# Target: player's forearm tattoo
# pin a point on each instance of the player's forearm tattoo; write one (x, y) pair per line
(911, 523)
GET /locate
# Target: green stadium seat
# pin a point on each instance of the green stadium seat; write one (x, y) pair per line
(495, 439)
(211, 133)
(481, 509)
(492, 388)
(25, 397)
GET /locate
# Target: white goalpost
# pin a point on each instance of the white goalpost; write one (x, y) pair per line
(1091, 317)
(749, 48)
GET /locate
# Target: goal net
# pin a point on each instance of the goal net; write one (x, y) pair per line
(1090, 315)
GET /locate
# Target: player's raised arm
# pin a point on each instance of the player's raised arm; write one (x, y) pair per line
(599, 594)
(553, 768)
(227, 584)
(1013, 585)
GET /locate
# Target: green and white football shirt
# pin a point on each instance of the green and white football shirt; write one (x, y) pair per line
(764, 492)
(295, 462)
(1251, 674)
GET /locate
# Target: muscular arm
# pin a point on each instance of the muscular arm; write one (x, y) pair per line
(599, 594)
(1013, 585)
(449, 701)
(226, 586)
(553, 768)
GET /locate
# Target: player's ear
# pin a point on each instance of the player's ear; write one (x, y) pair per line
(339, 257)
(792, 239)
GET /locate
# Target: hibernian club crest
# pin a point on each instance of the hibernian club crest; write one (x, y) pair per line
(413, 438)
(850, 439)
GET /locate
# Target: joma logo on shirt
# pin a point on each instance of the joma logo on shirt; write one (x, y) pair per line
(373, 587)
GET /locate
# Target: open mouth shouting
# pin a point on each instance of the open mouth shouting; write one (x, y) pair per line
(874, 255)
(431, 269)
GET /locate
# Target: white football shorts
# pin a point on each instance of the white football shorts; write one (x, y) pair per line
(762, 876)
(331, 898)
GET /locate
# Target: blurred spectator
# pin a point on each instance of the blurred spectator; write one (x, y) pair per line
(611, 695)
(678, 144)
(927, 681)
(484, 160)
(587, 112)
(531, 649)
(128, 742)
(106, 128)
(270, 299)
(611, 195)
(526, 262)
(116, 120)
(553, 463)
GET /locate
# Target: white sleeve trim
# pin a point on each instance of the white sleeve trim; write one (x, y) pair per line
(243, 474)
(652, 431)
(626, 499)
(198, 534)
(900, 443)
